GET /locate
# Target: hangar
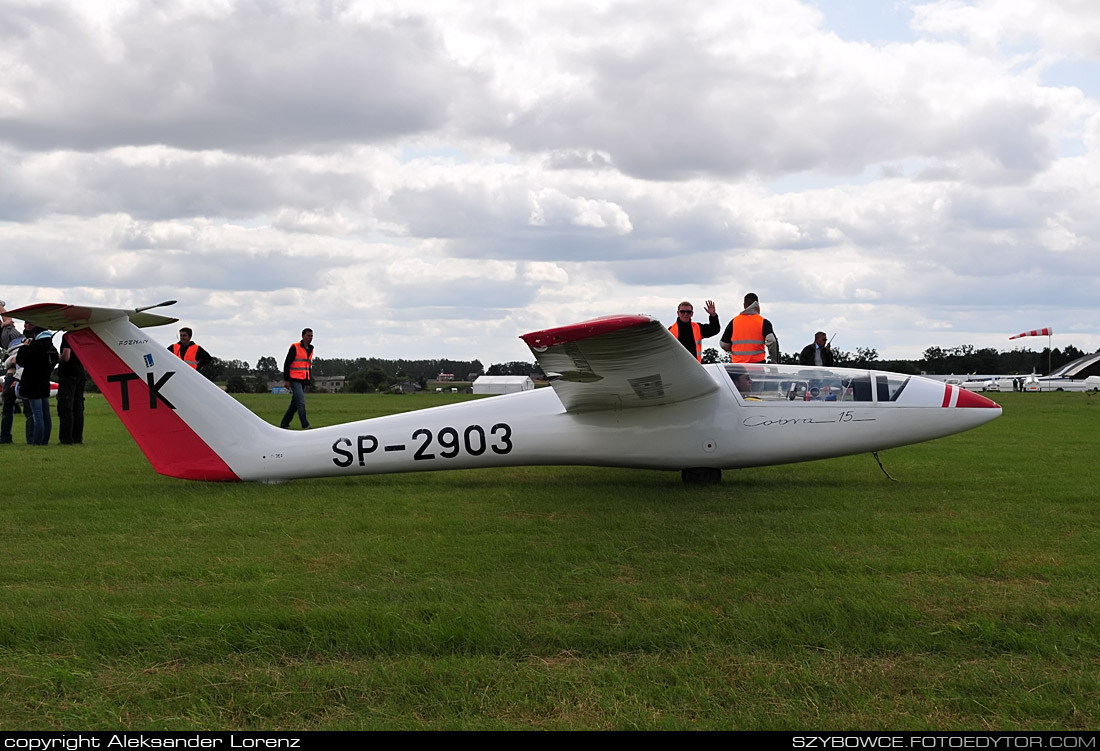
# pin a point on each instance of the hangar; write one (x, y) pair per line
(502, 384)
(1082, 367)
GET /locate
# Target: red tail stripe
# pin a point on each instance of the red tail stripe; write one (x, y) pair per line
(171, 446)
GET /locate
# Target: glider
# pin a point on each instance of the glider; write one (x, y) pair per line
(624, 393)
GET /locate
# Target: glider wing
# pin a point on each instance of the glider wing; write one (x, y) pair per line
(58, 317)
(618, 362)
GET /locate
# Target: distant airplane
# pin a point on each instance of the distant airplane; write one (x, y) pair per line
(624, 393)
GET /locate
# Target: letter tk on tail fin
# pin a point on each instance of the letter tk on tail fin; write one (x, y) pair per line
(185, 425)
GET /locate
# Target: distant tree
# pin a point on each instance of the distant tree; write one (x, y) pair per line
(1017, 360)
(842, 358)
(934, 354)
(238, 385)
(711, 355)
(367, 381)
(268, 367)
(986, 360)
(214, 369)
(258, 384)
(217, 368)
(515, 368)
(407, 369)
(865, 355)
(328, 367)
(908, 367)
(1071, 353)
(1065, 356)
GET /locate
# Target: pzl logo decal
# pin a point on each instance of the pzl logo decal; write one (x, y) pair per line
(123, 379)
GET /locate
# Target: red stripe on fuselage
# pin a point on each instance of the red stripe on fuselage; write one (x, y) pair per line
(948, 388)
(169, 443)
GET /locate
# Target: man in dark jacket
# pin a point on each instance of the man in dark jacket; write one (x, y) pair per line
(70, 395)
(189, 352)
(298, 374)
(818, 353)
(690, 333)
(37, 357)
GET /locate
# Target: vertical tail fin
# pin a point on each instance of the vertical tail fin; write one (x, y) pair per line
(185, 425)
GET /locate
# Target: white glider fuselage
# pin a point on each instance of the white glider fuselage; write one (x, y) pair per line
(625, 394)
(719, 430)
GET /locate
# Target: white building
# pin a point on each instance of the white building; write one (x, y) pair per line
(502, 384)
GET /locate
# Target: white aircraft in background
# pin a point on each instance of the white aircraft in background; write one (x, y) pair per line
(625, 393)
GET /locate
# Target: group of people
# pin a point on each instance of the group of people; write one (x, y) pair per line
(27, 384)
(748, 337)
(297, 369)
(29, 365)
(31, 358)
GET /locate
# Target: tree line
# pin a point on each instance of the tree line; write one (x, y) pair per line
(361, 374)
(959, 360)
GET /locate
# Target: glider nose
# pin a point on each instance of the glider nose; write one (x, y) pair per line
(970, 399)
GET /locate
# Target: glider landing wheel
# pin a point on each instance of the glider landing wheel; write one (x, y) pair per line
(701, 476)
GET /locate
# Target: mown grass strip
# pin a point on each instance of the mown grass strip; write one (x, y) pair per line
(819, 595)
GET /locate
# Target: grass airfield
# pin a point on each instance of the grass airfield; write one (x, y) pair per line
(963, 595)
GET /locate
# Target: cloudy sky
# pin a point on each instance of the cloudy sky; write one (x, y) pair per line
(425, 178)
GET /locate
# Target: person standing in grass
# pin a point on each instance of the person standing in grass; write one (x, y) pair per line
(297, 376)
(10, 402)
(70, 395)
(37, 357)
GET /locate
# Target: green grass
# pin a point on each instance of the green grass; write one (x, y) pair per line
(964, 595)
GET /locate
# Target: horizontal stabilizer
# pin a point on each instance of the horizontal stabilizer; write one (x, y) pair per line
(59, 317)
(618, 362)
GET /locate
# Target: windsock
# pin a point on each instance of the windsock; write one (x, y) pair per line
(1034, 332)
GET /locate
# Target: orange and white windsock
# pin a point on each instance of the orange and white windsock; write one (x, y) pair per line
(1034, 332)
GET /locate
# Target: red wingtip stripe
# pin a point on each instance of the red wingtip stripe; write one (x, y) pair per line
(169, 443)
(583, 330)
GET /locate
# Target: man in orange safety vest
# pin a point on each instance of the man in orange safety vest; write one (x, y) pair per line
(297, 376)
(749, 336)
(692, 334)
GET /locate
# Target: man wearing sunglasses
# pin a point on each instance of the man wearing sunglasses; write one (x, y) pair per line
(692, 334)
